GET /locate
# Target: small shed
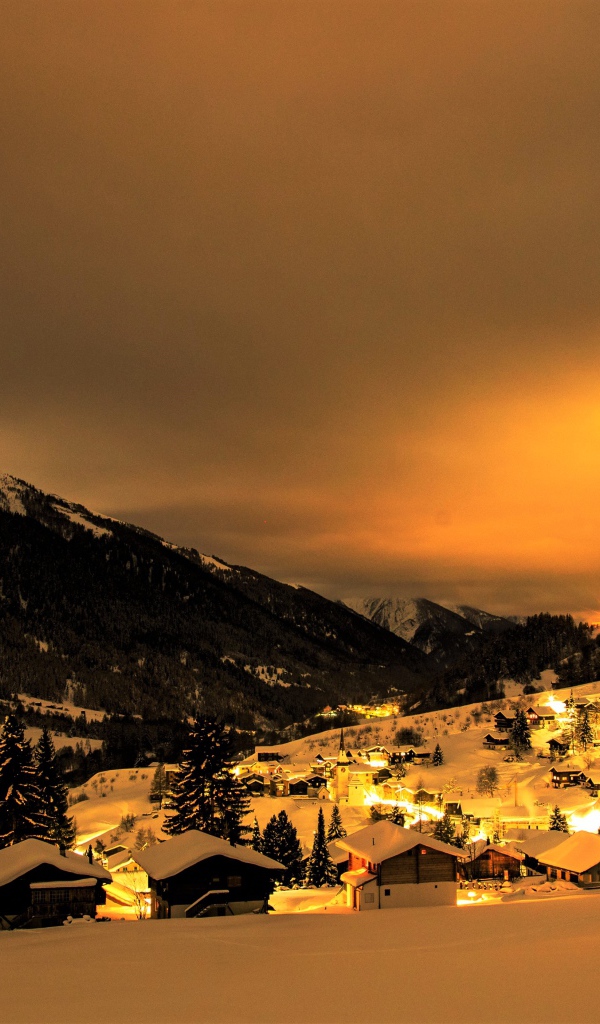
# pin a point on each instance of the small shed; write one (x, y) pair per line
(495, 742)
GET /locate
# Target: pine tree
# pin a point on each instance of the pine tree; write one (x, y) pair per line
(397, 815)
(22, 814)
(336, 828)
(520, 736)
(193, 791)
(53, 793)
(281, 843)
(558, 821)
(438, 756)
(232, 805)
(159, 787)
(585, 733)
(321, 869)
(444, 829)
(256, 840)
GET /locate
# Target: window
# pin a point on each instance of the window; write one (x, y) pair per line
(234, 881)
(387, 892)
(369, 897)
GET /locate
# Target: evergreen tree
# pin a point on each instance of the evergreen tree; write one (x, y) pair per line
(397, 815)
(281, 843)
(336, 828)
(444, 829)
(321, 869)
(53, 793)
(22, 814)
(520, 736)
(571, 719)
(256, 840)
(232, 805)
(558, 821)
(585, 733)
(158, 786)
(487, 780)
(438, 756)
(193, 791)
(462, 839)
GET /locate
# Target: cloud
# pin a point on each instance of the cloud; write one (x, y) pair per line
(329, 266)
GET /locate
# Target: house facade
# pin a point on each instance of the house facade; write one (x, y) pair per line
(390, 867)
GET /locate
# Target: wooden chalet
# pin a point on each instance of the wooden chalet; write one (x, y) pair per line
(576, 859)
(502, 722)
(495, 742)
(254, 783)
(42, 885)
(298, 786)
(539, 718)
(558, 748)
(316, 783)
(390, 866)
(198, 875)
(279, 785)
(563, 778)
(404, 755)
(489, 860)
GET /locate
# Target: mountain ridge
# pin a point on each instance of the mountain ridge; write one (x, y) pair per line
(144, 626)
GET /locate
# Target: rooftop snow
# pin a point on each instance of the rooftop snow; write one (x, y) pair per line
(577, 853)
(181, 852)
(382, 840)
(17, 860)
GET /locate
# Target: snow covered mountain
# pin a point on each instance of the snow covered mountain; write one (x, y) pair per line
(434, 629)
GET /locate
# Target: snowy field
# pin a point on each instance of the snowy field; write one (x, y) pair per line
(494, 964)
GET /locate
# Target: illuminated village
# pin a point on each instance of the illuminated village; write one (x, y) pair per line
(498, 818)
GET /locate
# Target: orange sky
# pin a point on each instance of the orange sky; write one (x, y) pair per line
(313, 286)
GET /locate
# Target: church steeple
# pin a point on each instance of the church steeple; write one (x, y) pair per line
(342, 753)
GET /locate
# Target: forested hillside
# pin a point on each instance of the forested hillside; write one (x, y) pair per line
(118, 619)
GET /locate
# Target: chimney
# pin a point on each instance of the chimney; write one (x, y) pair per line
(63, 850)
(90, 855)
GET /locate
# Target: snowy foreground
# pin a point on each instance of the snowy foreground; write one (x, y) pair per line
(497, 963)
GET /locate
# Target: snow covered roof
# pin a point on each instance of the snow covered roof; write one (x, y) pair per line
(337, 854)
(383, 839)
(534, 841)
(482, 846)
(17, 860)
(181, 852)
(578, 853)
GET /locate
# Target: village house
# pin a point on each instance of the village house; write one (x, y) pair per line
(390, 866)
(539, 718)
(490, 860)
(576, 859)
(562, 778)
(495, 742)
(558, 748)
(198, 875)
(503, 722)
(530, 842)
(41, 885)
